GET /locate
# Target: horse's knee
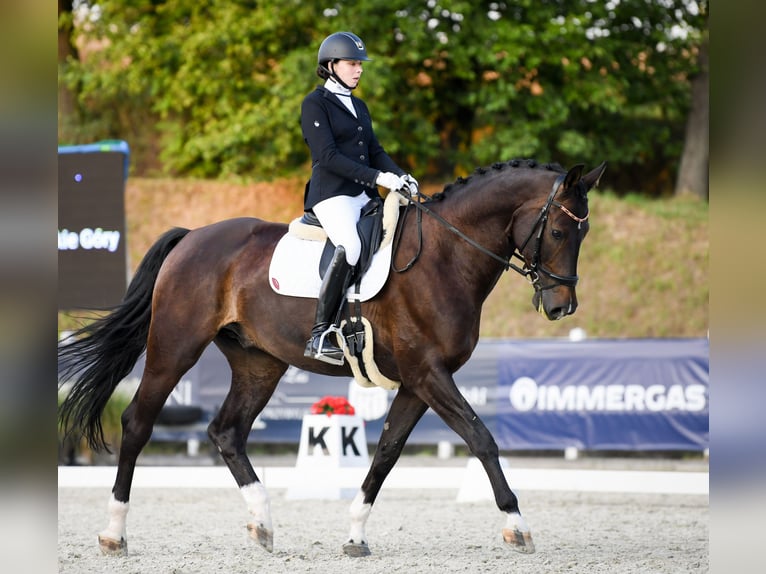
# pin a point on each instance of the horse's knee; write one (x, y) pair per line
(386, 456)
(216, 436)
(224, 440)
(485, 447)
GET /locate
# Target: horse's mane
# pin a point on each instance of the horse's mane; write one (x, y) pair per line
(497, 166)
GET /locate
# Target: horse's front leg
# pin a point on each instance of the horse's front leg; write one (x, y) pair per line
(439, 391)
(406, 410)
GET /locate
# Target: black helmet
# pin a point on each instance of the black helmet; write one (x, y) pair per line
(342, 46)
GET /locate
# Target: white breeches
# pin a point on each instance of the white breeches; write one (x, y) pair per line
(338, 216)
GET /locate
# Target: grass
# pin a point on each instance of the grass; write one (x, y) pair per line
(643, 267)
(110, 422)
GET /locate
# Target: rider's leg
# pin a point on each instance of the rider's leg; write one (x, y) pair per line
(338, 216)
(331, 295)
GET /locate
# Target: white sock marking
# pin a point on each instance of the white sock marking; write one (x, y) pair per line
(516, 522)
(359, 512)
(118, 512)
(258, 505)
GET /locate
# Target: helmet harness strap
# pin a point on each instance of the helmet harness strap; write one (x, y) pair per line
(331, 68)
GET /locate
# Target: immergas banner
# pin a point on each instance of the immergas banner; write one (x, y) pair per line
(603, 395)
(532, 395)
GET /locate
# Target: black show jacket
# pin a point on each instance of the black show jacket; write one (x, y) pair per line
(346, 157)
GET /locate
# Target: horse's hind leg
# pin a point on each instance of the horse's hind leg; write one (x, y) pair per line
(406, 410)
(161, 375)
(254, 377)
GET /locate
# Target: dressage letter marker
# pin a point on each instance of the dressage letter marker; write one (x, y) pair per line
(317, 441)
(331, 455)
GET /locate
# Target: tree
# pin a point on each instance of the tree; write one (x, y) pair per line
(67, 101)
(453, 83)
(693, 170)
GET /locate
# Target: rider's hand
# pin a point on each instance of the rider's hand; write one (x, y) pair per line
(412, 183)
(390, 180)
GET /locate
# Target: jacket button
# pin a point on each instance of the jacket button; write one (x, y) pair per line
(360, 142)
(359, 128)
(361, 157)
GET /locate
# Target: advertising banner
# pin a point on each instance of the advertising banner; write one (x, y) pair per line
(92, 251)
(603, 395)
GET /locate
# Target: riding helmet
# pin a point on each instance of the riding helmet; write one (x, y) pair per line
(342, 46)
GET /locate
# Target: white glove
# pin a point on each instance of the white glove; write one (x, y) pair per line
(412, 183)
(390, 180)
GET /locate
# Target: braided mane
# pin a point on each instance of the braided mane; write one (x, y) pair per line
(497, 166)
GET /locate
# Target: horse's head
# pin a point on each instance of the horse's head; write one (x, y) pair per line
(547, 234)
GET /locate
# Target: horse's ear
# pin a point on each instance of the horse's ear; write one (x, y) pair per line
(592, 178)
(573, 176)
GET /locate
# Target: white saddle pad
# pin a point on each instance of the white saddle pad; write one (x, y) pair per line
(294, 269)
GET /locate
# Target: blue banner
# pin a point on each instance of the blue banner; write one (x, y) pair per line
(603, 395)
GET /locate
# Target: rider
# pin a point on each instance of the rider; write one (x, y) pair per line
(348, 163)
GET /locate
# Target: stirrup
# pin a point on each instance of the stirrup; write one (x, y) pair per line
(320, 356)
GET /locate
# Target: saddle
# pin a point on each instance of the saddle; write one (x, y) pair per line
(298, 257)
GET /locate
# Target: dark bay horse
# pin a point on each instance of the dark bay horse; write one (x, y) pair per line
(211, 285)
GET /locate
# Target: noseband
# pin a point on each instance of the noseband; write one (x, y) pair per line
(533, 270)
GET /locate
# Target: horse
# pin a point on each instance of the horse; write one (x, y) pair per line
(210, 285)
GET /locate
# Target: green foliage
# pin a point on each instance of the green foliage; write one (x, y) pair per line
(110, 418)
(217, 85)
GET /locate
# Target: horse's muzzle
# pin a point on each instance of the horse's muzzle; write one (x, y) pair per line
(556, 303)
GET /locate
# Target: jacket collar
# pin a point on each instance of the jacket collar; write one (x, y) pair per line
(330, 96)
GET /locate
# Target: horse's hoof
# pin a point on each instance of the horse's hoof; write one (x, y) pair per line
(356, 550)
(112, 547)
(518, 540)
(262, 536)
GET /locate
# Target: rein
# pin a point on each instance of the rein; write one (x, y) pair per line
(530, 272)
(423, 209)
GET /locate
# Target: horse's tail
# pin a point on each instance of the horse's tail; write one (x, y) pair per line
(100, 355)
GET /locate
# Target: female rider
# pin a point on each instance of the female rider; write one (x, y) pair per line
(348, 163)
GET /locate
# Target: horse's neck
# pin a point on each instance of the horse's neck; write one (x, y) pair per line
(482, 213)
(483, 209)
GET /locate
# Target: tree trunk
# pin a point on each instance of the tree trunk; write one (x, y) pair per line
(693, 171)
(67, 103)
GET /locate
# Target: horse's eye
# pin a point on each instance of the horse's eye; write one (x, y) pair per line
(557, 234)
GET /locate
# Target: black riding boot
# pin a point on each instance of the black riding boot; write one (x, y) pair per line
(331, 295)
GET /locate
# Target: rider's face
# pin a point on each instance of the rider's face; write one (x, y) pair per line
(349, 71)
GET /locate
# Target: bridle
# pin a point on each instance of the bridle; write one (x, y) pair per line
(531, 271)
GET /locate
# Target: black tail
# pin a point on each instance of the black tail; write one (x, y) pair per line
(100, 355)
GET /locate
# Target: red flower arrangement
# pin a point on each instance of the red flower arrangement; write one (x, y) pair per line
(332, 406)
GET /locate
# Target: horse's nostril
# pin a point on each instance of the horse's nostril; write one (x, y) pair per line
(558, 313)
